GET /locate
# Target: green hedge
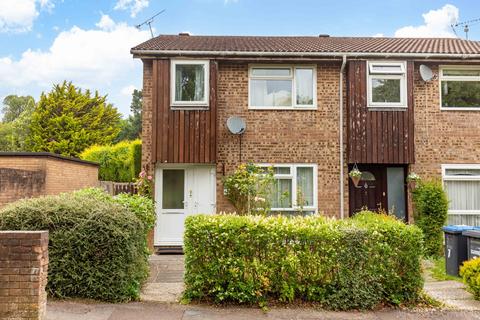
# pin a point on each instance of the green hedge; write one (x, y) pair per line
(357, 263)
(97, 245)
(430, 214)
(470, 272)
(120, 162)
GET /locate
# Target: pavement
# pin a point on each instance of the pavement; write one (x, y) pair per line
(452, 293)
(164, 287)
(59, 310)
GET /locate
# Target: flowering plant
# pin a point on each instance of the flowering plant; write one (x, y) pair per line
(355, 173)
(413, 177)
(144, 184)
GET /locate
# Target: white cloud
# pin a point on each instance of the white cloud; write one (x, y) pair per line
(128, 90)
(106, 23)
(437, 24)
(135, 6)
(19, 15)
(98, 58)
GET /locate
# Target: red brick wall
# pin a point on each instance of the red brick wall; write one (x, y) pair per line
(23, 274)
(442, 136)
(33, 176)
(288, 136)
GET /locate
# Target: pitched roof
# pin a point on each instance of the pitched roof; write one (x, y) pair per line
(275, 45)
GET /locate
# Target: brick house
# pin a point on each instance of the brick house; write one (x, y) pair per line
(314, 107)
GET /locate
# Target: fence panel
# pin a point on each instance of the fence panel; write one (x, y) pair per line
(115, 188)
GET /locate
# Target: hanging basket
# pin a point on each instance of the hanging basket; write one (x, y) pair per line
(355, 181)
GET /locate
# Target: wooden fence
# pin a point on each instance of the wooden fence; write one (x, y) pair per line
(115, 188)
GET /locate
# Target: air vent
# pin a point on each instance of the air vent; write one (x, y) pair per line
(184, 34)
(324, 35)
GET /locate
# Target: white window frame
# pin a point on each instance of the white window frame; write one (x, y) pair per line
(445, 177)
(292, 68)
(441, 77)
(397, 75)
(293, 176)
(204, 104)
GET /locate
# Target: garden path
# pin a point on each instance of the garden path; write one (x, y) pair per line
(452, 293)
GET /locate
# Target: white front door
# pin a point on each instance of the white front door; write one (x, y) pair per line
(179, 192)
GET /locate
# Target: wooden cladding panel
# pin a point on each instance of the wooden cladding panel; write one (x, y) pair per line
(182, 136)
(378, 136)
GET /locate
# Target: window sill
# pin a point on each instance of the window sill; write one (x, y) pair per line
(284, 108)
(463, 212)
(387, 108)
(460, 109)
(189, 107)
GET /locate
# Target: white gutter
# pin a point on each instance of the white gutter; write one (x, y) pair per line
(340, 122)
(301, 54)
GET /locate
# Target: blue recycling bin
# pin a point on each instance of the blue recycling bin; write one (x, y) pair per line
(455, 247)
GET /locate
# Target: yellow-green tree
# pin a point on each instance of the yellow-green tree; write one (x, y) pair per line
(68, 120)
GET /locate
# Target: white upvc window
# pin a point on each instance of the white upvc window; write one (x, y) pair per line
(462, 185)
(189, 81)
(295, 188)
(282, 87)
(386, 84)
(459, 87)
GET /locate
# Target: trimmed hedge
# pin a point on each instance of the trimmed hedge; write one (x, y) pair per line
(120, 162)
(356, 263)
(470, 272)
(430, 215)
(97, 245)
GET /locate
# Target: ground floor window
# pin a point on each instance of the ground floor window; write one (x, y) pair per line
(462, 185)
(295, 188)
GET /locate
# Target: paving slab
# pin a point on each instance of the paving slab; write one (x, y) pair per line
(72, 310)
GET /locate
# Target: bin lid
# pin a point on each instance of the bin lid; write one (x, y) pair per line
(457, 228)
(472, 233)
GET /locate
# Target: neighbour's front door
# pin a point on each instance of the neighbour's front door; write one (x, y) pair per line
(370, 193)
(382, 187)
(180, 192)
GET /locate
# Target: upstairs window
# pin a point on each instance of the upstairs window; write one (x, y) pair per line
(282, 87)
(387, 85)
(189, 80)
(460, 88)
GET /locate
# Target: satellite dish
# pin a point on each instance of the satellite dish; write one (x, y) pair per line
(426, 73)
(236, 125)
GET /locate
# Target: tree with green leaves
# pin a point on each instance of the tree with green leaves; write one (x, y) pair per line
(68, 120)
(15, 127)
(131, 128)
(14, 106)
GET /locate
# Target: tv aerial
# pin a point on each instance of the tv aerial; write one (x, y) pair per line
(149, 22)
(466, 26)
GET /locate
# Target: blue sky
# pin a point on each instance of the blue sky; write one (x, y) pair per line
(46, 41)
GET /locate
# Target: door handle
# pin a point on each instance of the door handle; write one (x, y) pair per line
(383, 193)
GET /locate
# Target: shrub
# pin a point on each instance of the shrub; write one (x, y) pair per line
(470, 272)
(249, 188)
(348, 264)
(120, 162)
(97, 245)
(431, 207)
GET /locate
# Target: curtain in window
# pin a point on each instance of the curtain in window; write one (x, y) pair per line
(463, 195)
(282, 194)
(305, 186)
(189, 82)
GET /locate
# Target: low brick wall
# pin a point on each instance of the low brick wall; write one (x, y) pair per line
(23, 274)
